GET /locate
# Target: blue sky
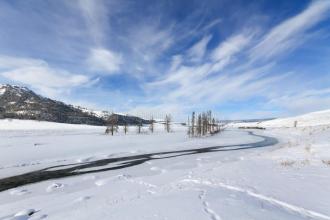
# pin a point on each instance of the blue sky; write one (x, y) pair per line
(242, 59)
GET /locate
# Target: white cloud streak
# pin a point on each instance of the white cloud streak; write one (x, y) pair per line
(223, 54)
(230, 47)
(104, 61)
(8, 62)
(95, 15)
(176, 75)
(39, 75)
(194, 80)
(221, 77)
(97, 18)
(303, 102)
(290, 33)
(197, 51)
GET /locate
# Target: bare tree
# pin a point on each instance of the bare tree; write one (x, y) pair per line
(189, 129)
(125, 127)
(209, 121)
(295, 123)
(152, 125)
(203, 124)
(139, 126)
(199, 125)
(112, 124)
(193, 124)
(206, 123)
(168, 120)
(218, 125)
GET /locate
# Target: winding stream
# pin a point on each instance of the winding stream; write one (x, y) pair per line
(75, 169)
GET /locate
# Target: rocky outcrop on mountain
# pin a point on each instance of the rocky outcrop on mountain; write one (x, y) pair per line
(22, 103)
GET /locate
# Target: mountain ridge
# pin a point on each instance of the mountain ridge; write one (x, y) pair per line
(19, 102)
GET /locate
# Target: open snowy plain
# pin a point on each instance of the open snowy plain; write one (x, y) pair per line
(235, 175)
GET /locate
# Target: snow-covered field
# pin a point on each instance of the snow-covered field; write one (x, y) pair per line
(290, 180)
(306, 120)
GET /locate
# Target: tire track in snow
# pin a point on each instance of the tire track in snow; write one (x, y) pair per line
(284, 205)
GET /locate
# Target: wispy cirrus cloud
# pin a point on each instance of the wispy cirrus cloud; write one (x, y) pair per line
(302, 101)
(9, 62)
(290, 33)
(95, 15)
(197, 51)
(222, 55)
(227, 73)
(168, 55)
(199, 82)
(39, 75)
(100, 59)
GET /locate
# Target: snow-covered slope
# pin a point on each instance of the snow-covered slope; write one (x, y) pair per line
(19, 102)
(2, 90)
(310, 119)
(97, 113)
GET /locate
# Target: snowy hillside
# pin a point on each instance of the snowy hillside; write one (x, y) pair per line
(310, 119)
(98, 113)
(19, 102)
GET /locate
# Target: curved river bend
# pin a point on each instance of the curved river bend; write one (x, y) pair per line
(75, 169)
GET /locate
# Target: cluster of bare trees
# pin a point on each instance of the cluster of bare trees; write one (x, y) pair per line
(112, 125)
(202, 124)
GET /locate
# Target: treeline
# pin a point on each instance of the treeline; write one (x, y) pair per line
(113, 125)
(202, 124)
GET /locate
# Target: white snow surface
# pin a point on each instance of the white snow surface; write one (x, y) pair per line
(310, 119)
(16, 124)
(2, 90)
(290, 180)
